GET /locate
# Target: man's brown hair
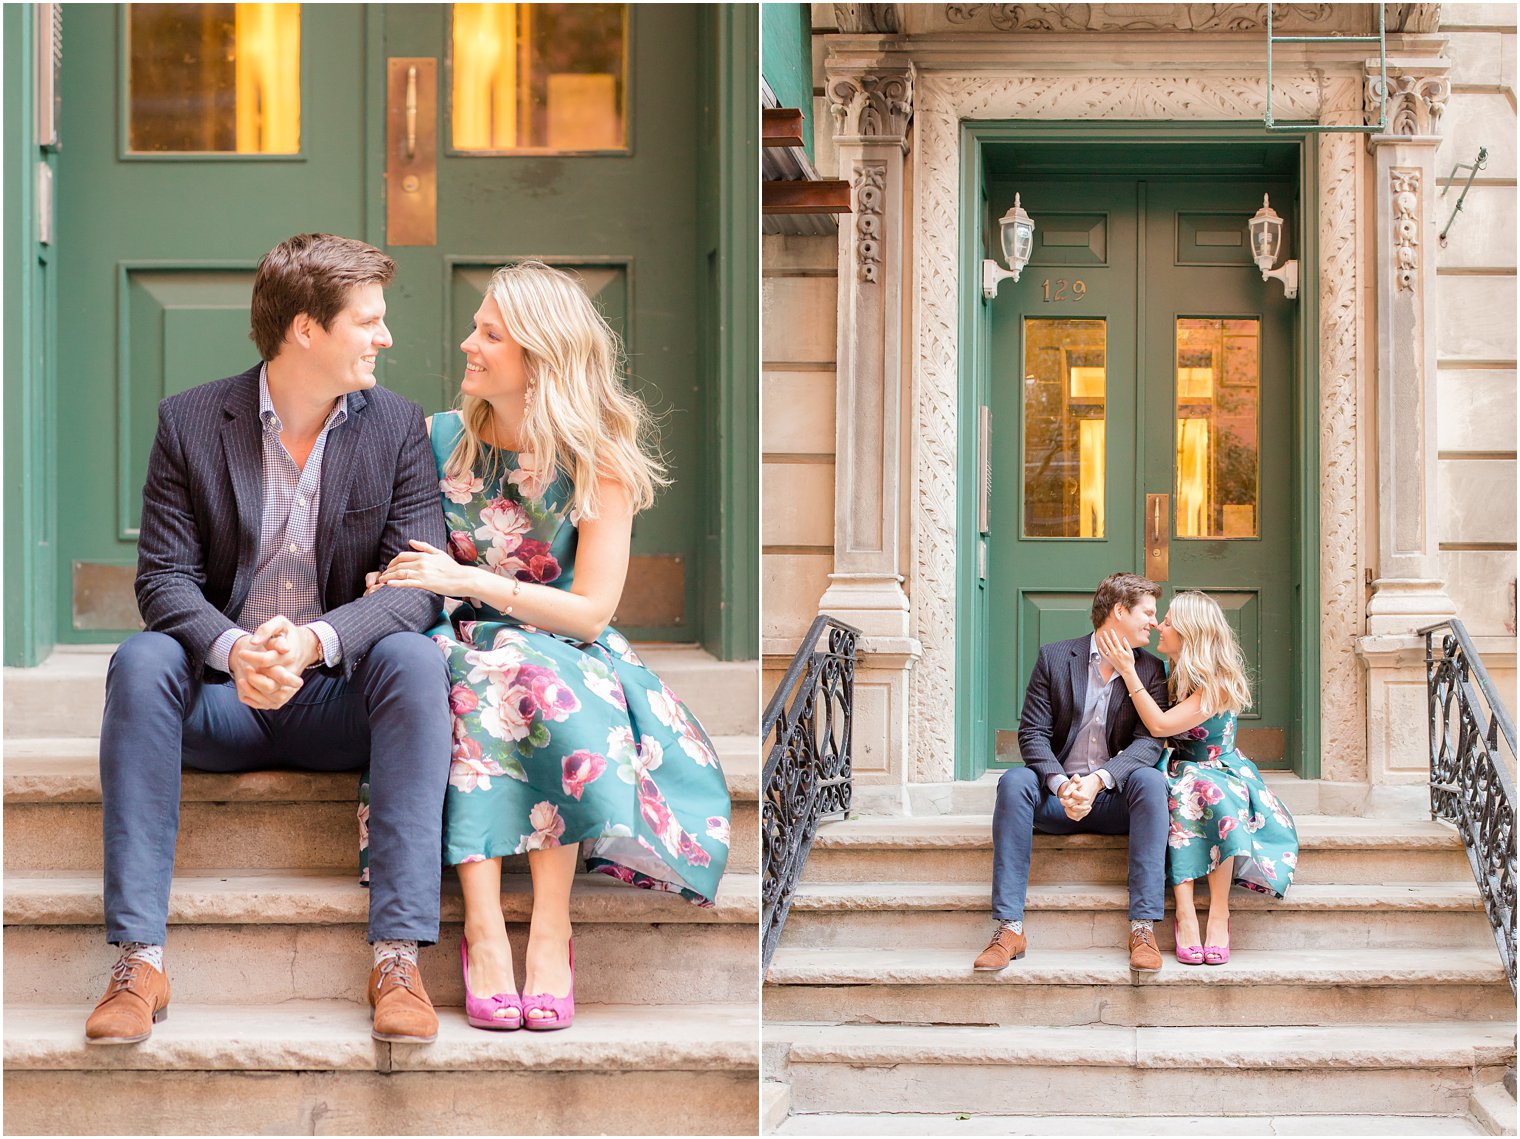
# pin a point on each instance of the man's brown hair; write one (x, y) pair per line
(1124, 589)
(311, 273)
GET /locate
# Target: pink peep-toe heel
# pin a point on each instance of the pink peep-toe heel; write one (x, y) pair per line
(1187, 954)
(481, 1011)
(1217, 954)
(563, 1007)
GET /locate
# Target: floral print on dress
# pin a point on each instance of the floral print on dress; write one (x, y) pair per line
(1221, 809)
(558, 742)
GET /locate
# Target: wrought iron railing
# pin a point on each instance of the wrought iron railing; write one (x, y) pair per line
(1470, 781)
(807, 764)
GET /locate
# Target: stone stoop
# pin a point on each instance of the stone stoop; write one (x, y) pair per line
(1493, 1106)
(312, 1068)
(267, 956)
(879, 1025)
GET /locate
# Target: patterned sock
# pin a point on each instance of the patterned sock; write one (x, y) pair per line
(1014, 926)
(141, 951)
(1137, 924)
(406, 949)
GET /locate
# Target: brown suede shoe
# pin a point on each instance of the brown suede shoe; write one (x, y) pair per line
(1143, 954)
(403, 1012)
(1004, 947)
(136, 999)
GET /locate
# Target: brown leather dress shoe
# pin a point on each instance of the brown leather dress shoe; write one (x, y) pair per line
(136, 999)
(1144, 956)
(1004, 947)
(403, 1012)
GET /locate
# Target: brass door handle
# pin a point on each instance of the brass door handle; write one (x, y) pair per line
(411, 150)
(411, 112)
(1157, 536)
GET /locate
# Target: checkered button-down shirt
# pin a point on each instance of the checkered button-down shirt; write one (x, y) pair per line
(1090, 751)
(285, 575)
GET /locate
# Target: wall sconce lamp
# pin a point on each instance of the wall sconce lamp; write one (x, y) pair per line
(1266, 244)
(1017, 232)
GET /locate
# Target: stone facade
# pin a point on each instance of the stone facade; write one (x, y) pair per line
(1416, 338)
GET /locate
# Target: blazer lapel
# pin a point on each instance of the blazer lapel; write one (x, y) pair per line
(1078, 693)
(242, 446)
(337, 481)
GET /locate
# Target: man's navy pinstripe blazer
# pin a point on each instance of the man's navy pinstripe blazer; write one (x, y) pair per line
(203, 505)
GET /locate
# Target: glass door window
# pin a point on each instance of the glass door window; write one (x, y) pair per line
(1065, 427)
(544, 78)
(213, 78)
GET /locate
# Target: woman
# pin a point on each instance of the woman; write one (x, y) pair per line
(1226, 824)
(561, 735)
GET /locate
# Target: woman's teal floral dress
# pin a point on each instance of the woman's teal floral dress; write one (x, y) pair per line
(1221, 809)
(558, 742)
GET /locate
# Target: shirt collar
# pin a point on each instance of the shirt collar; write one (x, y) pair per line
(272, 420)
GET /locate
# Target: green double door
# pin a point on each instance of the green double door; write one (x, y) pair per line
(1140, 393)
(174, 180)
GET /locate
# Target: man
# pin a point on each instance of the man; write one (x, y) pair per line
(1089, 767)
(268, 497)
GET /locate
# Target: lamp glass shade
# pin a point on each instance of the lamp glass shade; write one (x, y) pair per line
(1018, 242)
(1266, 236)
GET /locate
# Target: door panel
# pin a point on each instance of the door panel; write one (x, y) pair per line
(163, 247)
(156, 254)
(1062, 503)
(1189, 402)
(1219, 383)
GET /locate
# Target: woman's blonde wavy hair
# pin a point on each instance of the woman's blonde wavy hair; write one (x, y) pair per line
(1210, 660)
(580, 419)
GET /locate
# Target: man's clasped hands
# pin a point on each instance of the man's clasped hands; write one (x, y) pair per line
(267, 664)
(1077, 795)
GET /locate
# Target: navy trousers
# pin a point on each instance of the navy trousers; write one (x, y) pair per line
(1025, 806)
(393, 712)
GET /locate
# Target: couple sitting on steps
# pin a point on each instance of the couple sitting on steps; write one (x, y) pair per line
(1093, 763)
(300, 527)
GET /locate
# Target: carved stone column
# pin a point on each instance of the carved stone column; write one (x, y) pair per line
(870, 93)
(1407, 590)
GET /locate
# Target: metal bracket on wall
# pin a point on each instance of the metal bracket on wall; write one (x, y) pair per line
(1472, 168)
(1309, 126)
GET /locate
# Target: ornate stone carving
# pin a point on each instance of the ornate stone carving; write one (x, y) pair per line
(868, 105)
(943, 102)
(870, 194)
(1415, 102)
(1414, 17)
(1343, 714)
(866, 17)
(1154, 17)
(1406, 225)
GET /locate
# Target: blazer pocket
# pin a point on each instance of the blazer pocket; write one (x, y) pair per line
(363, 514)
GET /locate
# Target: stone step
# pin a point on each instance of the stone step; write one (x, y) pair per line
(1333, 849)
(311, 1067)
(958, 848)
(1425, 1068)
(725, 695)
(246, 938)
(907, 915)
(904, 1123)
(1301, 796)
(775, 1105)
(258, 819)
(1092, 986)
(1492, 1107)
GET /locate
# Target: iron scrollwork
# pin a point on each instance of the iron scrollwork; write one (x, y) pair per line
(1470, 784)
(807, 766)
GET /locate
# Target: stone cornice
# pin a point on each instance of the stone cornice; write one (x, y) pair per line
(1304, 19)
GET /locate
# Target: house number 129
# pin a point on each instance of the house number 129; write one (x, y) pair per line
(1078, 290)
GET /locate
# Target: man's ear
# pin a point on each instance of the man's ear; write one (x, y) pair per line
(300, 330)
(1119, 612)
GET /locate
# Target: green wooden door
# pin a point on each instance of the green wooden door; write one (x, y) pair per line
(1140, 358)
(161, 247)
